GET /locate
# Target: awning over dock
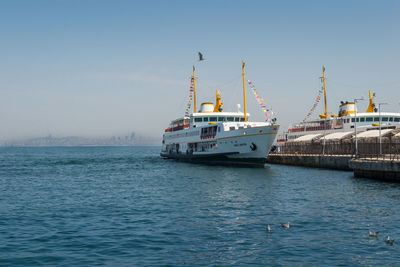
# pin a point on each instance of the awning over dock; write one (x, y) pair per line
(307, 138)
(338, 136)
(374, 133)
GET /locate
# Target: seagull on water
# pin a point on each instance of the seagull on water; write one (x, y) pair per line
(268, 228)
(201, 58)
(286, 225)
(389, 241)
(373, 234)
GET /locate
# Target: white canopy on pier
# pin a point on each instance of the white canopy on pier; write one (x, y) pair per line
(373, 133)
(338, 135)
(397, 135)
(306, 138)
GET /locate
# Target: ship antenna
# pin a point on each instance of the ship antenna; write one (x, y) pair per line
(244, 92)
(194, 89)
(323, 80)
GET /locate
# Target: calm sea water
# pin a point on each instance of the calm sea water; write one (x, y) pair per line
(125, 206)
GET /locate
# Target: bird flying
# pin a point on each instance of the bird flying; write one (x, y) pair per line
(201, 57)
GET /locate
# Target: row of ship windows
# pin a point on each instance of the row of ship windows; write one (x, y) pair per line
(374, 119)
(207, 119)
(186, 134)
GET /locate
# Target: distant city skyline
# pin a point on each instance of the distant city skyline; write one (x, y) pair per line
(103, 68)
(131, 139)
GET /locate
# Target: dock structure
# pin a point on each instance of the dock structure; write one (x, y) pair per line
(370, 157)
(383, 169)
(336, 162)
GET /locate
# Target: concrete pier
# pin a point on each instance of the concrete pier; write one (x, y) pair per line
(382, 169)
(336, 162)
(377, 169)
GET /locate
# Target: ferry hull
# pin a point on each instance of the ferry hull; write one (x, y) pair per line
(221, 160)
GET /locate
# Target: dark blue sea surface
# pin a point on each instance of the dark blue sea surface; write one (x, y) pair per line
(125, 206)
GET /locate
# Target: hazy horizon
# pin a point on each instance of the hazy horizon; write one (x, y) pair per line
(103, 68)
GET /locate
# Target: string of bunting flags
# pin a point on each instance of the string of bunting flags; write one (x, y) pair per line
(315, 105)
(260, 100)
(189, 103)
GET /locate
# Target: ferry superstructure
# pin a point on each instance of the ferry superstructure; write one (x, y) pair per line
(213, 136)
(348, 119)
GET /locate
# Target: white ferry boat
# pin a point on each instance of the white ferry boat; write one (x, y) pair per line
(345, 123)
(213, 136)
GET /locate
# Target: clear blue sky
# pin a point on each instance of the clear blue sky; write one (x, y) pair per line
(98, 68)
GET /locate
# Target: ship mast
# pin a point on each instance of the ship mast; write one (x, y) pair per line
(244, 93)
(194, 90)
(323, 81)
